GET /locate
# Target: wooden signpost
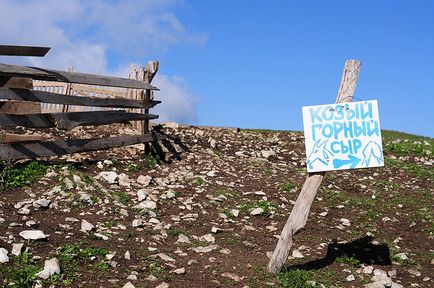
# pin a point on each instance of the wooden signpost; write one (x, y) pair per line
(300, 212)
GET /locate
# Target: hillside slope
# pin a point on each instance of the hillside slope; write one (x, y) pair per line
(210, 216)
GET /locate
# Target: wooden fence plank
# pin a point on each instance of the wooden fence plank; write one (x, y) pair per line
(10, 138)
(16, 82)
(300, 212)
(19, 107)
(71, 120)
(18, 151)
(71, 77)
(49, 97)
(14, 50)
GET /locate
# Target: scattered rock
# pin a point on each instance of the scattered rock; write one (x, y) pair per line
(232, 276)
(51, 267)
(17, 248)
(144, 180)
(183, 239)
(163, 285)
(4, 255)
(128, 285)
(350, 278)
(42, 203)
(110, 177)
(33, 234)
(345, 222)
(179, 271)
(86, 226)
(297, 254)
(204, 249)
(257, 211)
(401, 256)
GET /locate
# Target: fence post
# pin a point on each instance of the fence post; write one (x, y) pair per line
(300, 212)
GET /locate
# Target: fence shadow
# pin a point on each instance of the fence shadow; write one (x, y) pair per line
(361, 249)
(167, 142)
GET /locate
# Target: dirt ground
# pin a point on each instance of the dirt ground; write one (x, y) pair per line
(210, 214)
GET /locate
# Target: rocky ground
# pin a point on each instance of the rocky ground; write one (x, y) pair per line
(210, 216)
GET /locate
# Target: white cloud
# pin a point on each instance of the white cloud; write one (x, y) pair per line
(83, 33)
(179, 102)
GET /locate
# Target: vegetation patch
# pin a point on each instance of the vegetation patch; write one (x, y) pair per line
(31, 172)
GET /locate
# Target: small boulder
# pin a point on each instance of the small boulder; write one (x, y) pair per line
(33, 235)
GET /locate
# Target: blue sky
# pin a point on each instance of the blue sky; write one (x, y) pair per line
(250, 64)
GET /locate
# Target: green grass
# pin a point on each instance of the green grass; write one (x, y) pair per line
(149, 161)
(288, 186)
(268, 206)
(411, 168)
(31, 172)
(20, 271)
(198, 181)
(122, 197)
(406, 144)
(349, 260)
(298, 278)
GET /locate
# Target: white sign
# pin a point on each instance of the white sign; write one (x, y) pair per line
(342, 136)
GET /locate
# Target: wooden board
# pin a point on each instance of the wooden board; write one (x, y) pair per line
(48, 97)
(11, 138)
(14, 50)
(16, 151)
(71, 77)
(19, 107)
(16, 82)
(67, 121)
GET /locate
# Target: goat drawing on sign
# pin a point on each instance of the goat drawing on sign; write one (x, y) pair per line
(372, 150)
(319, 154)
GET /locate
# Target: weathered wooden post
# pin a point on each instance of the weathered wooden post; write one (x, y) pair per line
(300, 212)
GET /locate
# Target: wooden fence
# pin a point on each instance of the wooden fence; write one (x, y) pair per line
(39, 98)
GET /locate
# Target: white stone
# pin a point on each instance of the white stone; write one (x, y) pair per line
(183, 239)
(257, 211)
(86, 226)
(33, 234)
(142, 194)
(147, 204)
(132, 277)
(4, 255)
(204, 249)
(42, 203)
(165, 257)
(144, 180)
(128, 285)
(350, 278)
(208, 238)
(51, 267)
(163, 285)
(137, 223)
(368, 269)
(179, 271)
(170, 195)
(267, 153)
(110, 177)
(124, 180)
(345, 222)
(24, 211)
(323, 214)
(127, 255)
(401, 256)
(216, 229)
(17, 248)
(297, 254)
